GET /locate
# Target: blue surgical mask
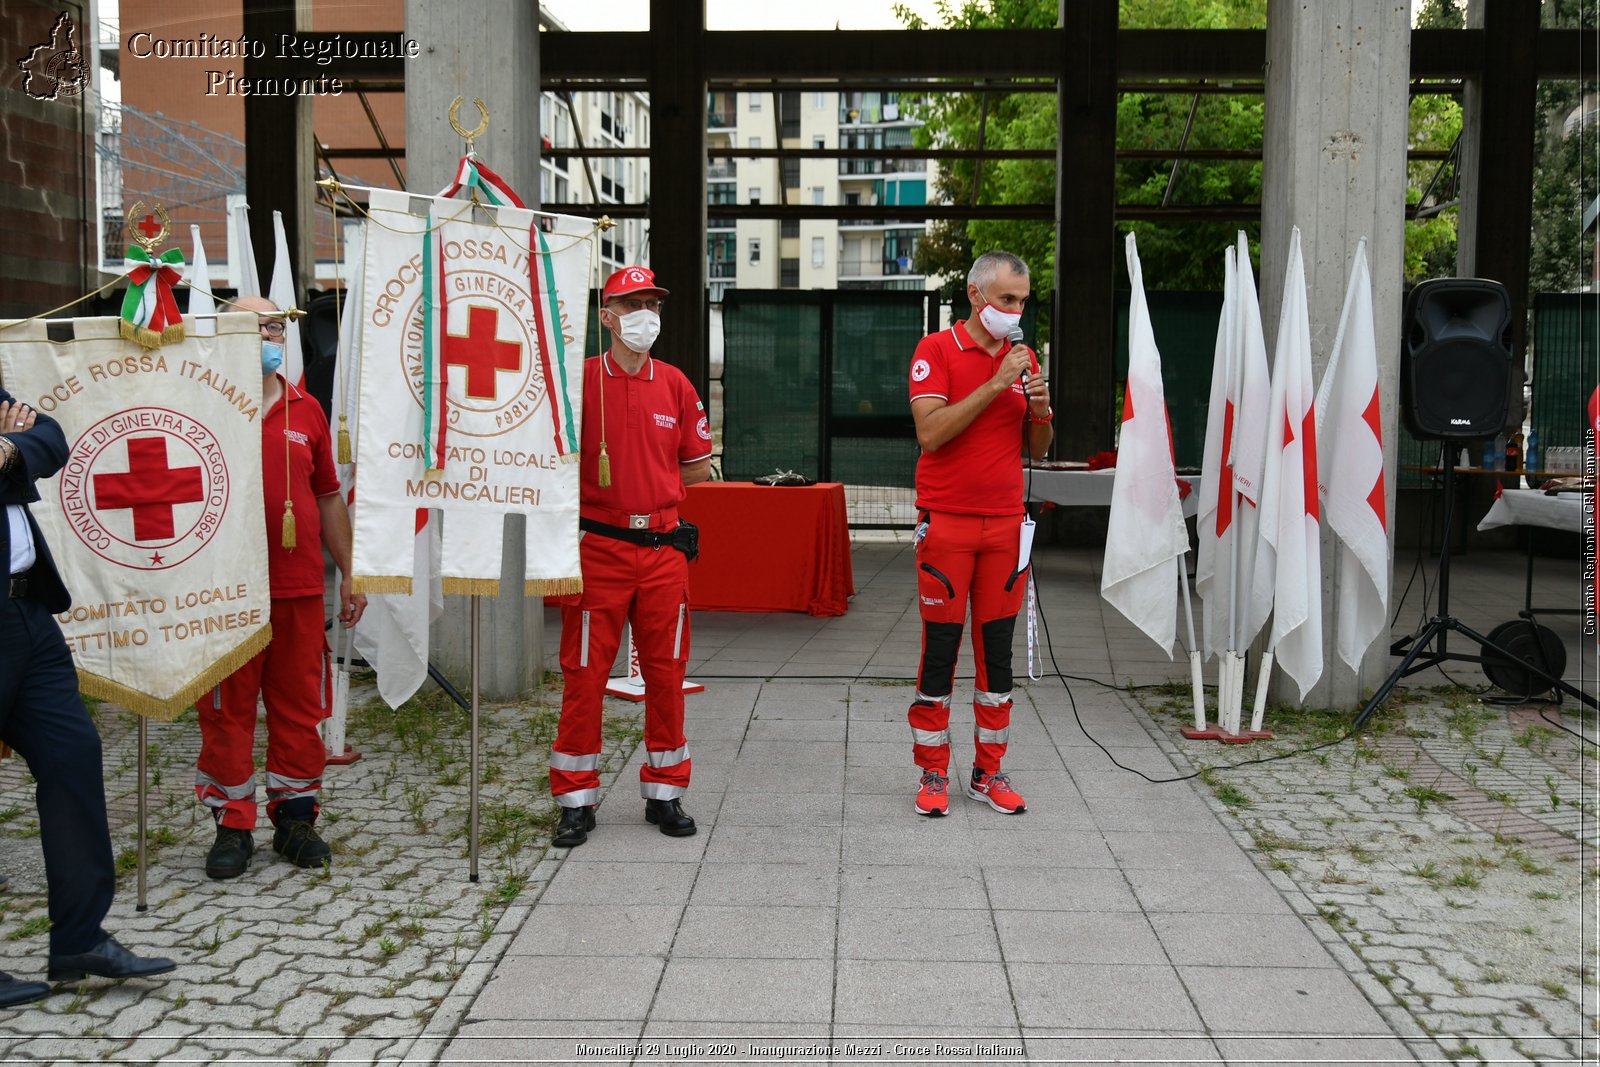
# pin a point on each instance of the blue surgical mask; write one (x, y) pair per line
(271, 357)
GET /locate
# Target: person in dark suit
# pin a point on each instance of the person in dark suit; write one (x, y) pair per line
(43, 719)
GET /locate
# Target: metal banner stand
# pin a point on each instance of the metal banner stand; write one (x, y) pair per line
(144, 812)
(472, 810)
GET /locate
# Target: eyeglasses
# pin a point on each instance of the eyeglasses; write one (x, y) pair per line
(272, 327)
(635, 304)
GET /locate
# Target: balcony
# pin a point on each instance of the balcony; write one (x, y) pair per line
(726, 170)
(876, 267)
(721, 120)
(724, 270)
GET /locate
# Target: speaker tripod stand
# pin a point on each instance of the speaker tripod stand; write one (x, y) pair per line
(1417, 652)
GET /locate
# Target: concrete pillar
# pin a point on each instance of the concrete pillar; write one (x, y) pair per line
(494, 55)
(1335, 165)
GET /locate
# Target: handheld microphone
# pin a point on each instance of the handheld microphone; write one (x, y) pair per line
(1014, 335)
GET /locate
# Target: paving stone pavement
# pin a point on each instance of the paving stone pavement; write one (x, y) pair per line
(1349, 906)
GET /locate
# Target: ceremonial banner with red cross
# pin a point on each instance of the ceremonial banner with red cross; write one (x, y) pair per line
(471, 348)
(156, 521)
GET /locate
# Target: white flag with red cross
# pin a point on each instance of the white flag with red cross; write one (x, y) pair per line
(1350, 466)
(1214, 522)
(472, 327)
(1145, 536)
(1287, 579)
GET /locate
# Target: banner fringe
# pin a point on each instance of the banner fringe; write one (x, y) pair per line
(142, 336)
(552, 586)
(570, 457)
(381, 583)
(472, 586)
(170, 708)
(173, 333)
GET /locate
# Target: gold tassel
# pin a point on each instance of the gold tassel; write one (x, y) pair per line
(381, 584)
(605, 467)
(288, 524)
(173, 333)
(552, 586)
(344, 440)
(470, 586)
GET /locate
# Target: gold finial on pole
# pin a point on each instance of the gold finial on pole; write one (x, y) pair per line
(483, 120)
(146, 232)
(604, 223)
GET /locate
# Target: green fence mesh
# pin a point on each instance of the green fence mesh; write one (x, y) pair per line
(1566, 341)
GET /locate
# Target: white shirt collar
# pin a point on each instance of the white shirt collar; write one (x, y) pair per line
(648, 372)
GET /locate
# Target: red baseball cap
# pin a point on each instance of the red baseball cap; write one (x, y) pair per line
(630, 280)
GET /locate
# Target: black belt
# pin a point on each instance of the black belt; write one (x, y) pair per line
(19, 587)
(685, 537)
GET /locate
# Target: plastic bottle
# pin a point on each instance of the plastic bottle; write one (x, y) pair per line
(1494, 453)
(1531, 458)
(1513, 456)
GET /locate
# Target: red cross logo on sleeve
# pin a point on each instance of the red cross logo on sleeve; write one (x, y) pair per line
(150, 488)
(481, 352)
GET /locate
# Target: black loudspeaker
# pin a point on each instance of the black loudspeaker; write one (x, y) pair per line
(1455, 360)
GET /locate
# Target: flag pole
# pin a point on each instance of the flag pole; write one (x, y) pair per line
(1262, 678)
(144, 813)
(472, 802)
(1196, 672)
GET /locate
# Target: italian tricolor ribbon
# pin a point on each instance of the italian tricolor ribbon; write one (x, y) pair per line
(150, 315)
(546, 318)
(471, 174)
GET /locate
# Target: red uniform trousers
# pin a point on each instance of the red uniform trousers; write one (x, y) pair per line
(648, 587)
(293, 675)
(962, 557)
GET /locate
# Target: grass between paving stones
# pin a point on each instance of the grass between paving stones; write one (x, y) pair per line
(1426, 899)
(383, 934)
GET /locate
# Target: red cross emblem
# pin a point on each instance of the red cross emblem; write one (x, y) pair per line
(150, 488)
(150, 227)
(481, 352)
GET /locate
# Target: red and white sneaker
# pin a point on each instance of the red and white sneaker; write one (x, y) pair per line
(934, 796)
(995, 790)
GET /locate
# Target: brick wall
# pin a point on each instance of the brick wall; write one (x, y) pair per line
(46, 175)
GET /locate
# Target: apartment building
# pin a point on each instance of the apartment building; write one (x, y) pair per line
(853, 253)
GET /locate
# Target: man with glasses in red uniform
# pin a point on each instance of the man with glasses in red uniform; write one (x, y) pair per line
(645, 439)
(292, 674)
(978, 400)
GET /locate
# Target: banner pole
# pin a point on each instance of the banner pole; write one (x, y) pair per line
(472, 811)
(144, 812)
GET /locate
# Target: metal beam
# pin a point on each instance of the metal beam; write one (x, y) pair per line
(677, 241)
(1083, 312)
(274, 179)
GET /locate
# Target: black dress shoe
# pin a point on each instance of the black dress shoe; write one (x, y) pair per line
(13, 992)
(670, 816)
(108, 959)
(573, 829)
(230, 854)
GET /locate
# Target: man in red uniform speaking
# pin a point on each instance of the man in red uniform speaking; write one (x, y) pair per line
(645, 438)
(974, 414)
(305, 511)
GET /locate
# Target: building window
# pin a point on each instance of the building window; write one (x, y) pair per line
(789, 228)
(818, 256)
(819, 101)
(755, 250)
(789, 273)
(790, 169)
(755, 101)
(755, 194)
(755, 142)
(819, 142)
(816, 194)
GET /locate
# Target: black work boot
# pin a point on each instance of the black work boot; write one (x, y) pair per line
(230, 853)
(297, 841)
(573, 829)
(670, 816)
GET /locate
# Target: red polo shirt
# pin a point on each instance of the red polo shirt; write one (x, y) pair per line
(296, 421)
(653, 423)
(979, 471)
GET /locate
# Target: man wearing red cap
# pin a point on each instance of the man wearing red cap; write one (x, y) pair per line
(645, 438)
(305, 511)
(978, 400)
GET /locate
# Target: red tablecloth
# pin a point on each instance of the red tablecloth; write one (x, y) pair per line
(770, 548)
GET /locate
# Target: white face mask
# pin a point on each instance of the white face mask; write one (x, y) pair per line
(997, 322)
(639, 329)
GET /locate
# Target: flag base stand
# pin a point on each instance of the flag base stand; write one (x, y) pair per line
(345, 758)
(1244, 738)
(1212, 732)
(632, 687)
(1260, 735)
